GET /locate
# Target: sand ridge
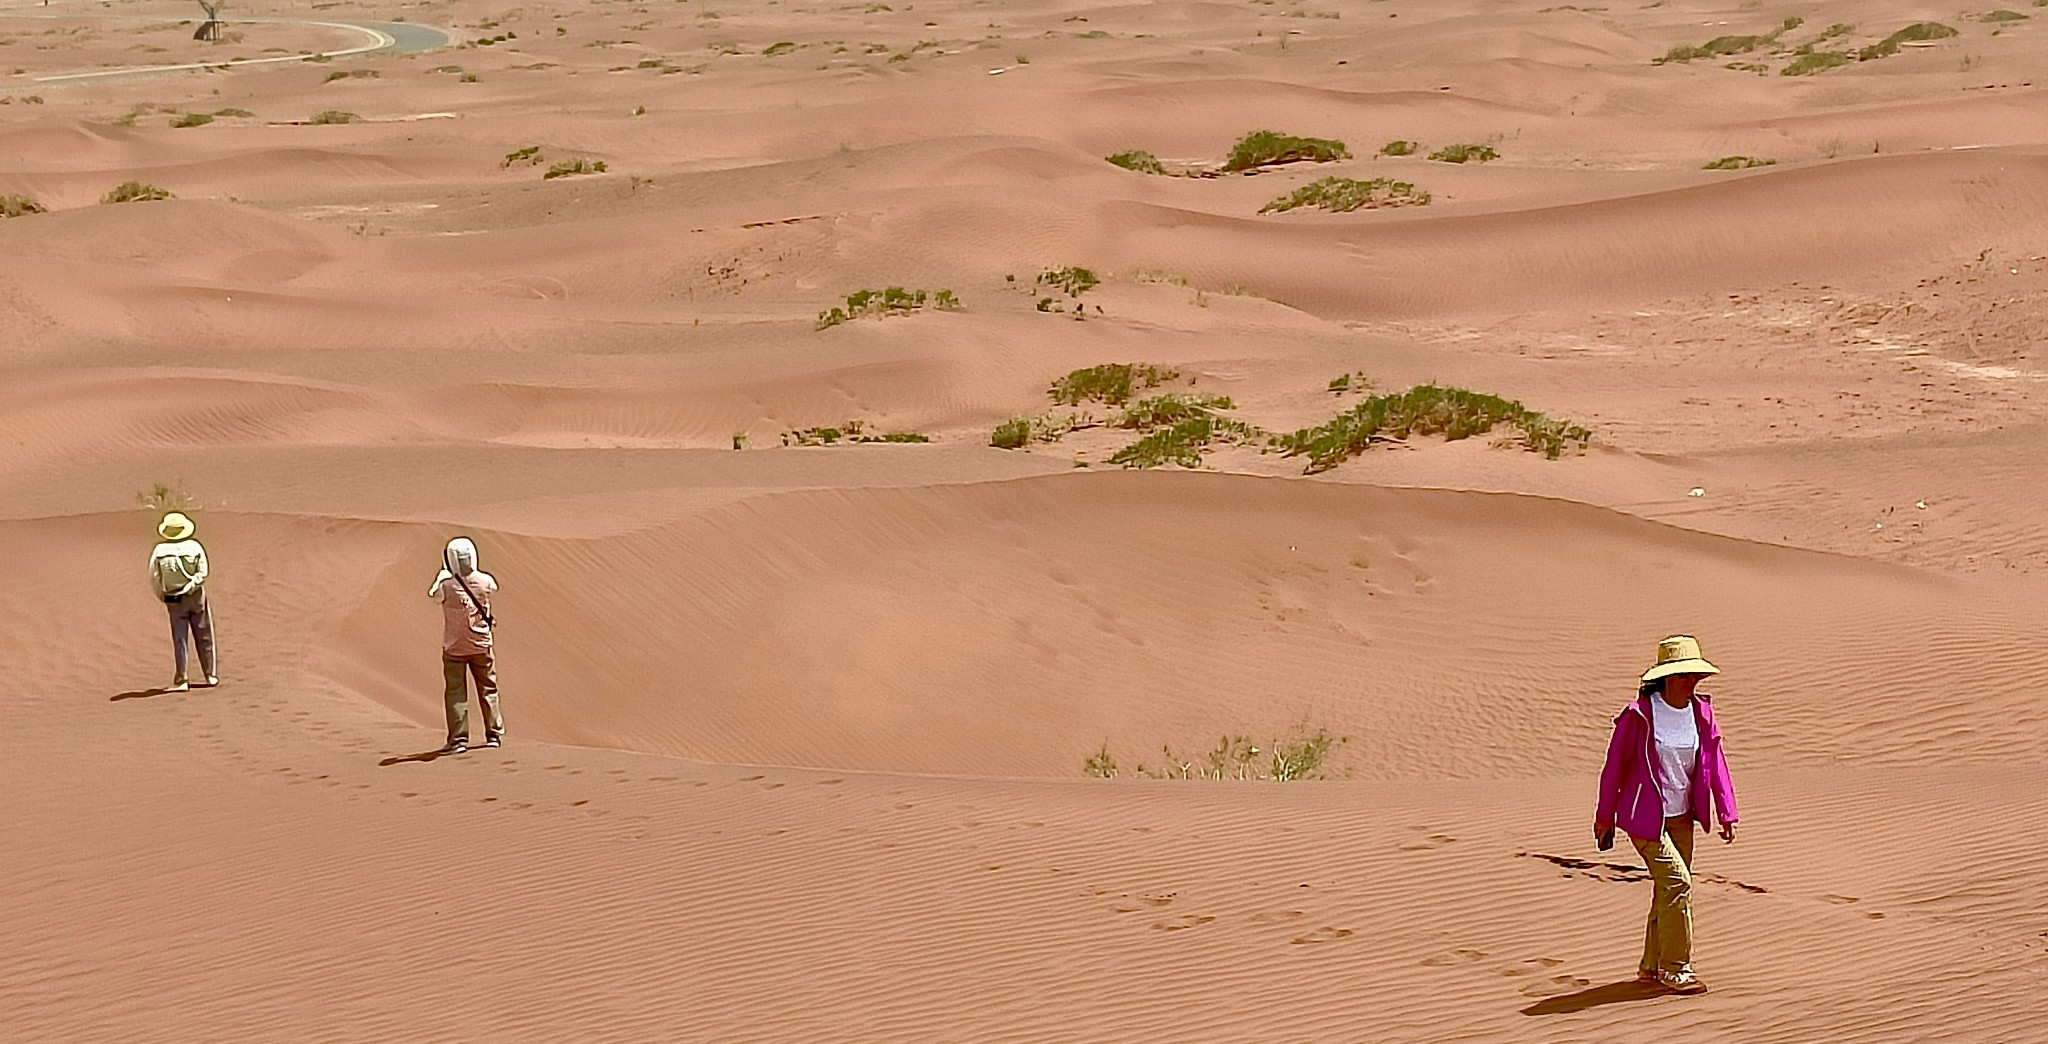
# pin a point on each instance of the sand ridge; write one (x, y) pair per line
(798, 731)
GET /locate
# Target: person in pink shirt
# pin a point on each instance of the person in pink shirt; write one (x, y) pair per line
(1666, 772)
(464, 592)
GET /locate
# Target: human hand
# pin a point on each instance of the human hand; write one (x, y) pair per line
(1727, 833)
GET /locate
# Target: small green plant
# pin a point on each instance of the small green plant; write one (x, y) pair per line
(1184, 443)
(2003, 16)
(1171, 408)
(243, 114)
(1011, 434)
(1071, 281)
(1343, 195)
(351, 74)
(134, 192)
(1918, 32)
(1738, 163)
(574, 168)
(1400, 148)
(467, 78)
(20, 206)
(1465, 154)
(166, 497)
(193, 119)
(1270, 148)
(1110, 383)
(1428, 409)
(333, 116)
(779, 47)
(528, 156)
(1725, 45)
(852, 431)
(1101, 764)
(1142, 162)
(1812, 62)
(894, 300)
(1304, 754)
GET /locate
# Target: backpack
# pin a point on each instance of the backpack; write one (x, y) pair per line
(173, 572)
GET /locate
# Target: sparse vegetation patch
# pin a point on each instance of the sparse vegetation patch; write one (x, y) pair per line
(852, 431)
(1465, 154)
(1111, 383)
(20, 206)
(1270, 148)
(1400, 148)
(333, 116)
(1305, 753)
(1916, 33)
(1738, 163)
(893, 300)
(1812, 62)
(574, 168)
(1140, 161)
(528, 156)
(134, 192)
(1429, 409)
(1343, 195)
(1726, 45)
(1184, 442)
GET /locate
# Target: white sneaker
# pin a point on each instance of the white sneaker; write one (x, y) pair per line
(177, 687)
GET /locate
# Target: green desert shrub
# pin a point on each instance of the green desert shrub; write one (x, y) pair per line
(193, 119)
(1140, 161)
(528, 156)
(333, 116)
(1343, 195)
(1011, 434)
(1918, 32)
(1400, 148)
(1171, 408)
(1738, 163)
(134, 192)
(351, 74)
(233, 113)
(1184, 442)
(1454, 413)
(780, 47)
(1304, 754)
(1465, 154)
(573, 168)
(853, 431)
(894, 300)
(1270, 148)
(1110, 383)
(20, 206)
(1071, 281)
(1101, 764)
(1725, 45)
(1812, 62)
(2003, 16)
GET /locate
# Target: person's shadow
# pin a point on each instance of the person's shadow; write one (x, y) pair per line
(1613, 993)
(139, 694)
(422, 756)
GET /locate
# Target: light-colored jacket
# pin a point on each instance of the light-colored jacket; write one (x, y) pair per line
(177, 568)
(465, 605)
(1629, 796)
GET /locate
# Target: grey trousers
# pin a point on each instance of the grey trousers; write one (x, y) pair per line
(192, 622)
(455, 674)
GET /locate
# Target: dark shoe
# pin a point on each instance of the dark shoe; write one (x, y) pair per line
(460, 746)
(495, 739)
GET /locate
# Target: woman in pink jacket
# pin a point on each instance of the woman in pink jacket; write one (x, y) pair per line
(1665, 772)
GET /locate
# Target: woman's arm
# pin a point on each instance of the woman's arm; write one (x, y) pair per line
(1619, 746)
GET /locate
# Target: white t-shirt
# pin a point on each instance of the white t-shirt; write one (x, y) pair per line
(1678, 753)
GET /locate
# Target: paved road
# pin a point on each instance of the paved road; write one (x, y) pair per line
(376, 38)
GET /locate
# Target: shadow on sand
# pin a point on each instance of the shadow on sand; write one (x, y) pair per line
(1621, 992)
(139, 694)
(422, 756)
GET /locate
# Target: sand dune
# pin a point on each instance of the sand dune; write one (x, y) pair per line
(798, 733)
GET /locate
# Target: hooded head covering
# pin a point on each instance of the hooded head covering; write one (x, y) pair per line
(175, 527)
(460, 557)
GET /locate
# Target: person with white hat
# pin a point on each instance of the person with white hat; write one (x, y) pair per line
(464, 592)
(1666, 772)
(177, 573)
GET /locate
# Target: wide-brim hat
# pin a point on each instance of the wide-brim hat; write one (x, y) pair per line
(1679, 654)
(175, 526)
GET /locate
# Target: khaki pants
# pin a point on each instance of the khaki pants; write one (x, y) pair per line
(455, 672)
(1667, 941)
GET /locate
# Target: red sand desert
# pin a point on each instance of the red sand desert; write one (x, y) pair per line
(798, 732)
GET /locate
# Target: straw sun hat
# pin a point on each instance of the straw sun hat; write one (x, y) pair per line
(1679, 654)
(175, 526)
